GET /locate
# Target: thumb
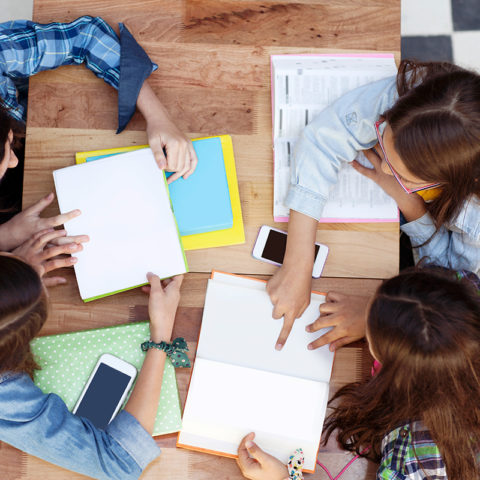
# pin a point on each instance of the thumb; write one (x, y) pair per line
(159, 155)
(256, 452)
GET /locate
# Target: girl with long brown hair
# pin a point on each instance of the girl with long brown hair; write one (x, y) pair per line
(41, 424)
(421, 132)
(419, 415)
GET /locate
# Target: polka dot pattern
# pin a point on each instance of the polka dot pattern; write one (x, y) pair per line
(67, 361)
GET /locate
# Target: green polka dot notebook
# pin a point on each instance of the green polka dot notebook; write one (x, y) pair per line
(67, 360)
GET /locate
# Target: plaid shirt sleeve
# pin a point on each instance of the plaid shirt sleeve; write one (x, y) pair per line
(409, 453)
(27, 48)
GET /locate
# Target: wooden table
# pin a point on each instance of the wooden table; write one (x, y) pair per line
(214, 78)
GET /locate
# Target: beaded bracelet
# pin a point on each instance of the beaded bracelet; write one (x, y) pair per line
(175, 351)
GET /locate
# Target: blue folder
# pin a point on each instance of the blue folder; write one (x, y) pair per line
(201, 203)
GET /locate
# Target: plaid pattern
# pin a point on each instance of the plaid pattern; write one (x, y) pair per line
(409, 453)
(27, 48)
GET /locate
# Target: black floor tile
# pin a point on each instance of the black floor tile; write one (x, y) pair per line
(435, 48)
(466, 14)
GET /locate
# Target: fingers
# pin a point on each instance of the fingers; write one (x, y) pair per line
(41, 239)
(374, 157)
(53, 281)
(175, 283)
(341, 342)
(61, 219)
(367, 172)
(155, 283)
(159, 154)
(334, 297)
(63, 240)
(325, 339)
(245, 462)
(41, 204)
(56, 263)
(278, 312)
(288, 321)
(179, 160)
(322, 322)
(59, 250)
(256, 452)
(193, 160)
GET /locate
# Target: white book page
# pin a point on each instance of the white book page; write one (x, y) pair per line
(226, 402)
(238, 329)
(126, 213)
(303, 87)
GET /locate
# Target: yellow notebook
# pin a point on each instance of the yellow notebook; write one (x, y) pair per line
(218, 238)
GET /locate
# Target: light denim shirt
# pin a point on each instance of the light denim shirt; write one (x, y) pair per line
(41, 425)
(338, 134)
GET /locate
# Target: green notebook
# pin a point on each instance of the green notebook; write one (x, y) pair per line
(67, 360)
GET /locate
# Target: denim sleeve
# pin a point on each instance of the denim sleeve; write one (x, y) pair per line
(335, 135)
(41, 425)
(454, 247)
(27, 48)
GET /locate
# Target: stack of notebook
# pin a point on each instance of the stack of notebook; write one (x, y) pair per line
(207, 204)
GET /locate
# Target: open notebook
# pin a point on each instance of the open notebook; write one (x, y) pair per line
(240, 383)
(126, 212)
(302, 86)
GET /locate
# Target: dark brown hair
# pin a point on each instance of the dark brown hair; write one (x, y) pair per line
(424, 327)
(436, 131)
(23, 311)
(7, 123)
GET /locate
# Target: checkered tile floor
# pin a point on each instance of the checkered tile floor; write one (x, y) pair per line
(443, 30)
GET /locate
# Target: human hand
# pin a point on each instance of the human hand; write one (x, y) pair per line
(290, 292)
(28, 223)
(163, 134)
(181, 157)
(411, 205)
(347, 314)
(162, 305)
(44, 250)
(255, 464)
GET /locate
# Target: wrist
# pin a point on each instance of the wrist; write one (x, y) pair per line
(160, 336)
(299, 261)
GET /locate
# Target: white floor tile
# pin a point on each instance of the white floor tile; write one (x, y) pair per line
(426, 17)
(466, 50)
(15, 10)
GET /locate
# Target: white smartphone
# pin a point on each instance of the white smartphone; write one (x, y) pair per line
(106, 390)
(271, 244)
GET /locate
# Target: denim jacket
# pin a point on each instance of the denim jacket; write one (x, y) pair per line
(41, 425)
(336, 135)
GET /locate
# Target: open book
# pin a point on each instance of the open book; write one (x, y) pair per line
(127, 214)
(240, 383)
(302, 86)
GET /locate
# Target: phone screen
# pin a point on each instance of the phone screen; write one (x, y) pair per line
(276, 245)
(102, 396)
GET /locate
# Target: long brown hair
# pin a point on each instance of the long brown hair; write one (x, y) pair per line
(424, 328)
(436, 131)
(23, 311)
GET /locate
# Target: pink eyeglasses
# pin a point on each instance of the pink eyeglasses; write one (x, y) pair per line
(395, 174)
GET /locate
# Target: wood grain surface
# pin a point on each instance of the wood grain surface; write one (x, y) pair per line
(214, 78)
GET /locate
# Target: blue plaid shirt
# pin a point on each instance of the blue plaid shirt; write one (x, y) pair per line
(27, 48)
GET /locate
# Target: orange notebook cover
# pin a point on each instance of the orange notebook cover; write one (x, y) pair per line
(240, 383)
